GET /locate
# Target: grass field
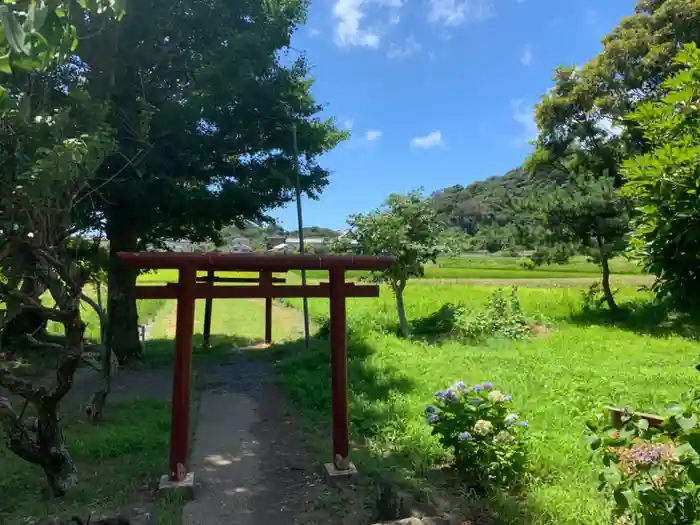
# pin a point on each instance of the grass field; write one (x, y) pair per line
(474, 266)
(558, 380)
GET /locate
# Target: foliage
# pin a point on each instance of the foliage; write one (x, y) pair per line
(478, 426)
(35, 34)
(405, 227)
(652, 473)
(489, 212)
(213, 121)
(663, 184)
(502, 318)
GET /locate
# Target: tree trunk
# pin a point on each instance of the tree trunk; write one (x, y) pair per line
(46, 447)
(122, 316)
(607, 291)
(605, 265)
(404, 329)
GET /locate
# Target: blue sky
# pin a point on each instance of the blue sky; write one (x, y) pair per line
(435, 92)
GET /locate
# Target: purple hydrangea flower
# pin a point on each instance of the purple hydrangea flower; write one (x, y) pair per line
(433, 418)
(464, 436)
(477, 388)
(429, 410)
(488, 385)
(524, 424)
(441, 394)
(459, 385)
(508, 399)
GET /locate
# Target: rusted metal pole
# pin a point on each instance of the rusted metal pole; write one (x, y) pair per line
(339, 369)
(266, 282)
(207, 310)
(179, 425)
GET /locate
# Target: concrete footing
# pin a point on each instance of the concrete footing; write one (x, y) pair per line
(184, 486)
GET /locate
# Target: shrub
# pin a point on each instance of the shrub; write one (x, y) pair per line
(653, 474)
(502, 317)
(478, 426)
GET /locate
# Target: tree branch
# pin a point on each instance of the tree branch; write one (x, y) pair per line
(20, 387)
(18, 439)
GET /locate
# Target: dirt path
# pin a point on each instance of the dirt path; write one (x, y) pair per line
(250, 462)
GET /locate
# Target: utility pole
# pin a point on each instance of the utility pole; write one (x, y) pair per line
(302, 248)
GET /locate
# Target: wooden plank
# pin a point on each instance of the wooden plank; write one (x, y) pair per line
(204, 278)
(616, 415)
(204, 290)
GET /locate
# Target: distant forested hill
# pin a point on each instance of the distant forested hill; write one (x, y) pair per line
(492, 210)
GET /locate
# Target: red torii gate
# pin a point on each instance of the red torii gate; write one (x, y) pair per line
(187, 290)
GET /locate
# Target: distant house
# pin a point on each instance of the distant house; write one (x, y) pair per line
(292, 243)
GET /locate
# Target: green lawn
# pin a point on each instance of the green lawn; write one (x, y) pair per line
(119, 459)
(558, 380)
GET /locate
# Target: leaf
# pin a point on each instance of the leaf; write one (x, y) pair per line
(612, 475)
(36, 17)
(5, 64)
(13, 31)
(687, 423)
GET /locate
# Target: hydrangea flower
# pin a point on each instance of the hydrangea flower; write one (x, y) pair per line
(503, 437)
(459, 385)
(488, 385)
(524, 424)
(433, 418)
(441, 394)
(483, 427)
(508, 399)
(464, 436)
(429, 410)
(511, 418)
(477, 388)
(496, 397)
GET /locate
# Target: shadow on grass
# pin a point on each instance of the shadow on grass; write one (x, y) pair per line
(118, 462)
(160, 352)
(380, 430)
(641, 317)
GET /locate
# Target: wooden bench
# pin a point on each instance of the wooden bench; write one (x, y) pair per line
(616, 415)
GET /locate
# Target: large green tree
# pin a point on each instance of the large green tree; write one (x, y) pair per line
(209, 115)
(664, 185)
(584, 214)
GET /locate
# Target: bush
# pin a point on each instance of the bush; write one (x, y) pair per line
(653, 474)
(478, 426)
(502, 317)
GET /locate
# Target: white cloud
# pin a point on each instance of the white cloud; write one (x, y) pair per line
(313, 33)
(372, 134)
(526, 58)
(348, 14)
(399, 51)
(431, 140)
(455, 12)
(526, 118)
(348, 124)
